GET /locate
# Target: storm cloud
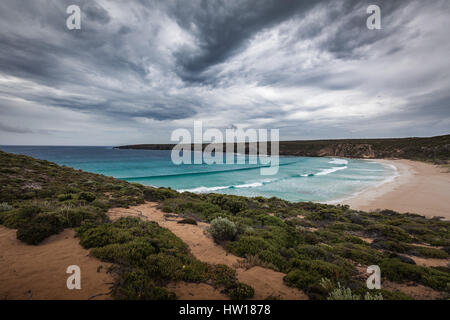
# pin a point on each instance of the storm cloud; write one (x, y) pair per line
(139, 69)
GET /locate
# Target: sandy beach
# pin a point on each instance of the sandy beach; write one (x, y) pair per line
(420, 188)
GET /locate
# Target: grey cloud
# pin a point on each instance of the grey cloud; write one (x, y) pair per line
(182, 60)
(7, 128)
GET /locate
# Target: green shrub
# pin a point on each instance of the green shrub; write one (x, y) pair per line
(301, 279)
(343, 293)
(19, 217)
(188, 221)
(233, 204)
(428, 252)
(103, 235)
(34, 233)
(359, 253)
(388, 232)
(248, 245)
(133, 253)
(64, 197)
(222, 229)
(159, 194)
(223, 276)
(86, 196)
(398, 271)
(136, 285)
(320, 269)
(54, 220)
(241, 291)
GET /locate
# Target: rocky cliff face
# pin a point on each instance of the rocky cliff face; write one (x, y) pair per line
(348, 150)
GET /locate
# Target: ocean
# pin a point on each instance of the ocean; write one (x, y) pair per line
(298, 179)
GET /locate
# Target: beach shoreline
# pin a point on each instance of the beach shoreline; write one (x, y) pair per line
(418, 187)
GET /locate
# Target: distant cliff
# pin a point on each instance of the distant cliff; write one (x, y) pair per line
(433, 149)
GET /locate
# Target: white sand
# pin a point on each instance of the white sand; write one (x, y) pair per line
(420, 188)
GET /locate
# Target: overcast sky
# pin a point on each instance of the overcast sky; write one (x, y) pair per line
(139, 69)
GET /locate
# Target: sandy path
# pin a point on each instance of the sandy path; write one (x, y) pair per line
(420, 188)
(266, 282)
(42, 268)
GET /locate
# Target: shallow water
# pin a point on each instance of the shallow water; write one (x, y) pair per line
(298, 178)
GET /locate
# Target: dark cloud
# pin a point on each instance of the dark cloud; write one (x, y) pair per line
(222, 27)
(310, 66)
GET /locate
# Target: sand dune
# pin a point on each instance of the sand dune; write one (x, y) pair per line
(39, 272)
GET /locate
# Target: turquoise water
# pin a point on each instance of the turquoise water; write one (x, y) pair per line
(298, 178)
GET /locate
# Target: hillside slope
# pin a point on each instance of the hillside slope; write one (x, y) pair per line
(434, 149)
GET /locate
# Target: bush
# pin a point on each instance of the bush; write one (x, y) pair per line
(319, 269)
(188, 221)
(34, 233)
(136, 285)
(223, 276)
(132, 253)
(343, 293)
(428, 252)
(301, 279)
(158, 194)
(248, 245)
(64, 197)
(103, 235)
(19, 217)
(5, 207)
(241, 291)
(388, 232)
(86, 196)
(222, 229)
(233, 204)
(398, 271)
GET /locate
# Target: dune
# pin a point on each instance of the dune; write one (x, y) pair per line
(39, 272)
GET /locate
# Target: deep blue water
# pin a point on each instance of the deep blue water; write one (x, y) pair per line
(298, 178)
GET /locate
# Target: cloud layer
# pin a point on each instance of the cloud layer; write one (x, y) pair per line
(139, 69)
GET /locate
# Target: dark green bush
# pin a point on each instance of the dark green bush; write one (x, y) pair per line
(86, 196)
(398, 271)
(248, 245)
(136, 285)
(188, 221)
(159, 194)
(64, 197)
(388, 232)
(241, 291)
(301, 279)
(428, 252)
(34, 233)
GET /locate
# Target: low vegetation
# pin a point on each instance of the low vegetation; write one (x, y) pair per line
(310, 241)
(321, 248)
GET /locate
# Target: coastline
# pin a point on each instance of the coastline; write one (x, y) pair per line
(419, 187)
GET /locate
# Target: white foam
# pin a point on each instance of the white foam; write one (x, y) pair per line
(211, 189)
(374, 186)
(331, 170)
(203, 189)
(338, 161)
